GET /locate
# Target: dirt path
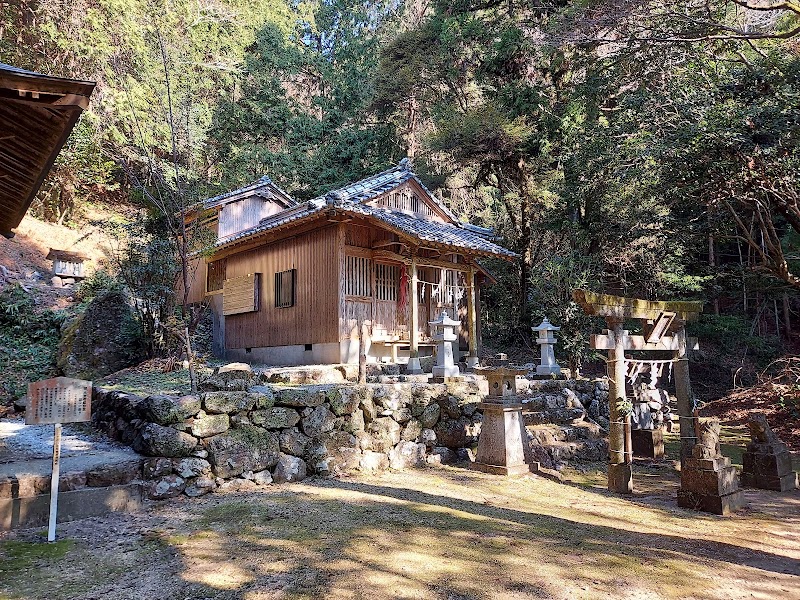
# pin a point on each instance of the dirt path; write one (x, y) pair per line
(439, 533)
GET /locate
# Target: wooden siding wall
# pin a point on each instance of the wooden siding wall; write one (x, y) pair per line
(243, 214)
(314, 317)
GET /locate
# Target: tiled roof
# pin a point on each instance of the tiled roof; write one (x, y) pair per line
(375, 185)
(432, 232)
(265, 183)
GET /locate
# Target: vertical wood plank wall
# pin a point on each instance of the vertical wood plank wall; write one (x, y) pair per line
(243, 214)
(314, 317)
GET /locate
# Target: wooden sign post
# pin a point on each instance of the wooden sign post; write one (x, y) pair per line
(56, 401)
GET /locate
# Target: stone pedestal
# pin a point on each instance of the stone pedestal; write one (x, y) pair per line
(501, 445)
(413, 367)
(620, 478)
(768, 466)
(767, 463)
(648, 443)
(710, 485)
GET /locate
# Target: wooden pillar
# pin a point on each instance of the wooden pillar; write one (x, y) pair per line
(620, 476)
(472, 319)
(683, 394)
(413, 330)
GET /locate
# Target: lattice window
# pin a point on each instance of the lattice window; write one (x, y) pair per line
(406, 200)
(285, 288)
(387, 278)
(358, 276)
(215, 277)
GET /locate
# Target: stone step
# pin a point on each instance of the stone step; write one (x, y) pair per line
(34, 511)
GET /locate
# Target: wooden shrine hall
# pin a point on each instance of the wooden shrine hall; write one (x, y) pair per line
(37, 114)
(293, 283)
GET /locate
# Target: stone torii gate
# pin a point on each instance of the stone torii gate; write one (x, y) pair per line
(664, 329)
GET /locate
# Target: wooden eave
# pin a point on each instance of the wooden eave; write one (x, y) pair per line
(333, 213)
(37, 114)
(606, 305)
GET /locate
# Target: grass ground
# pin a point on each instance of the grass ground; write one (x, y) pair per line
(443, 533)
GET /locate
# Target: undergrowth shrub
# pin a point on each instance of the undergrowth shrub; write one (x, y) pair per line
(28, 342)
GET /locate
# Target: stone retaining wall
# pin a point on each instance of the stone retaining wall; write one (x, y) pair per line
(282, 433)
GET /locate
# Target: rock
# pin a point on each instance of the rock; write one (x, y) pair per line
(334, 453)
(430, 416)
(157, 440)
(113, 474)
(355, 422)
(302, 396)
(264, 395)
(200, 487)
(166, 487)
(262, 477)
(428, 437)
(289, 468)
(99, 342)
(319, 421)
(277, 417)
(402, 415)
(446, 455)
(411, 431)
(345, 400)
(246, 448)
(369, 410)
(450, 407)
(424, 395)
(385, 432)
(453, 433)
(168, 410)
(153, 468)
(238, 485)
(191, 467)
(407, 454)
(208, 425)
(292, 441)
(364, 441)
(374, 461)
(238, 367)
(391, 397)
(228, 402)
(200, 453)
(469, 408)
(56, 281)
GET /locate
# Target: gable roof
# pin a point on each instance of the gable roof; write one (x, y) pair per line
(352, 200)
(37, 114)
(373, 186)
(264, 188)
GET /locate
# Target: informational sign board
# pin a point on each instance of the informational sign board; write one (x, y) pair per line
(59, 400)
(53, 402)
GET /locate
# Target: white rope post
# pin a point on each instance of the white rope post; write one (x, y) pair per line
(51, 529)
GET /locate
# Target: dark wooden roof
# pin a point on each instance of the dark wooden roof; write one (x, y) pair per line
(37, 114)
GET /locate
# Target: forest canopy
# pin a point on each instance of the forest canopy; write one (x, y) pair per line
(642, 148)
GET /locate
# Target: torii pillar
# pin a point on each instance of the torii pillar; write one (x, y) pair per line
(658, 319)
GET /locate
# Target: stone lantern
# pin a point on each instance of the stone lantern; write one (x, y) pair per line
(546, 341)
(444, 334)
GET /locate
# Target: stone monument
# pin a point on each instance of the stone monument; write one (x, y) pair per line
(708, 480)
(503, 439)
(767, 463)
(546, 341)
(444, 334)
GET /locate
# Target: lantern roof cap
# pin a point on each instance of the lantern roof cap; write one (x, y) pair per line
(546, 325)
(444, 320)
